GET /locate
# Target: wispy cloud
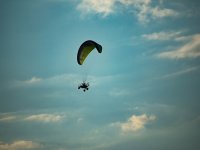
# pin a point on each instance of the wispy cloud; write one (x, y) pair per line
(7, 117)
(119, 92)
(155, 108)
(163, 36)
(33, 80)
(178, 73)
(191, 49)
(21, 144)
(44, 118)
(144, 9)
(158, 12)
(58, 80)
(63, 80)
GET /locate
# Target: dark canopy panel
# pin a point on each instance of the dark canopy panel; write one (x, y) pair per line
(85, 48)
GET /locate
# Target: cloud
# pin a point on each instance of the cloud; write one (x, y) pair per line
(104, 7)
(58, 80)
(136, 123)
(191, 49)
(18, 145)
(33, 80)
(7, 118)
(119, 92)
(63, 80)
(163, 12)
(146, 11)
(163, 36)
(178, 73)
(155, 108)
(44, 118)
(143, 9)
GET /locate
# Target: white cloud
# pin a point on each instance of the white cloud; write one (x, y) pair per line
(136, 123)
(18, 145)
(44, 118)
(104, 7)
(162, 12)
(144, 9)
(129, 2)
(191, 49)
(170, 35)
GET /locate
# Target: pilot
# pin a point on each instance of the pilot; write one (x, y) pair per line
(84, 86)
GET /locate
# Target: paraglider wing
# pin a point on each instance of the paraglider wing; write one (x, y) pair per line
(85, 49)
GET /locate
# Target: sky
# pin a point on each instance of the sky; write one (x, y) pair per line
(144, 86)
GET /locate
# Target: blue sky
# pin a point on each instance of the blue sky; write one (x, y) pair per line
(144, 86)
